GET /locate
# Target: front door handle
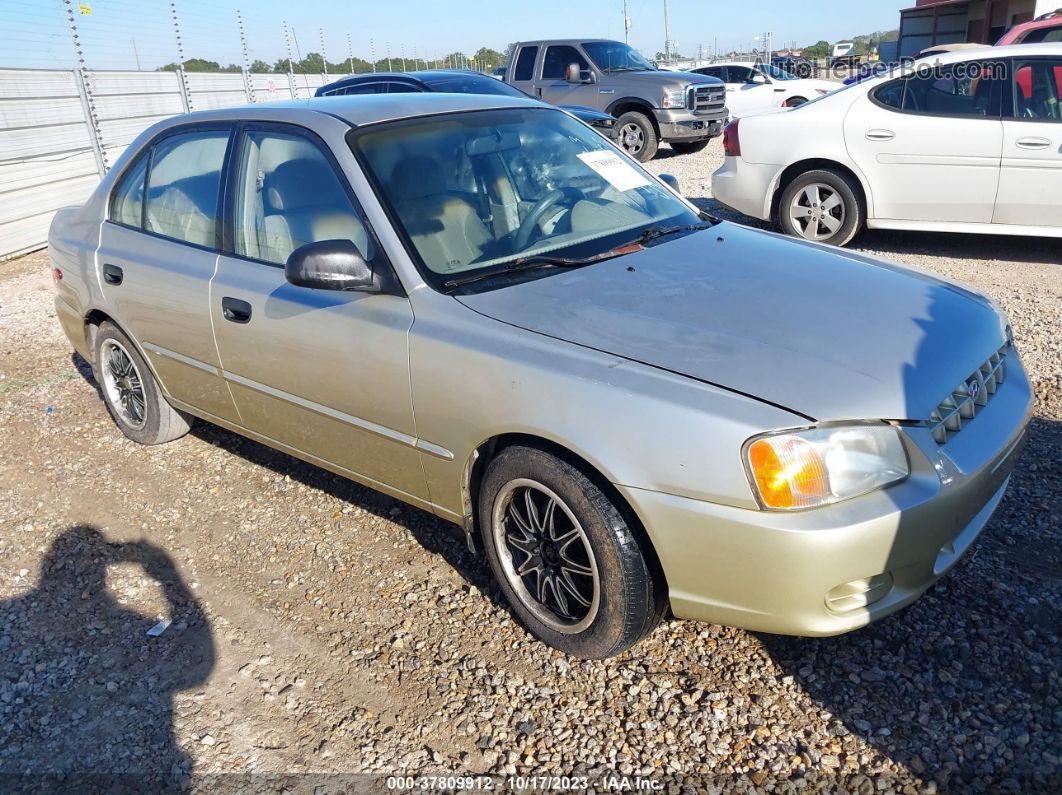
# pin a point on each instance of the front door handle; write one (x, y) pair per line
(235, 310)
(1033, 143)
(880, 135)
(112, 274)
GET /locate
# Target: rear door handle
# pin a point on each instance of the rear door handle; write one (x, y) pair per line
(1033, 143)
(235, 310)
(880, 135)
(112, 274)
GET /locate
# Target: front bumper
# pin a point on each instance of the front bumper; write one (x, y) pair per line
(746, 187)
(682, 125)
(776, 572)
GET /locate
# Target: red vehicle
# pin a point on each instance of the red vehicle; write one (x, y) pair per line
(1045, 28)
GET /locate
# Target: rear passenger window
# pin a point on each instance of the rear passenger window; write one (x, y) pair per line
(127, 202)
(958, 90)
(361, 88)
(1038, 90)
(183, 186)
(525, 64)
(287, 195)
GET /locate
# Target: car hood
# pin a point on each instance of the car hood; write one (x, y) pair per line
(829, 335)
(661, 77)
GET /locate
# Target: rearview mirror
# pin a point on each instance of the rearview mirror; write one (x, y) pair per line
(330, 265)
(672, 182)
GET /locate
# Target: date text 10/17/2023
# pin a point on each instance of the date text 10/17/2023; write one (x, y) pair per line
(605, 783)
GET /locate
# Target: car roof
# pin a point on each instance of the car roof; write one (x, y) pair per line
(366, 109)
(420, 74)
(567, 41)
(1006, 51)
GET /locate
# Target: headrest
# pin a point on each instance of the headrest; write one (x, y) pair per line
(301, 183)
(416, 177)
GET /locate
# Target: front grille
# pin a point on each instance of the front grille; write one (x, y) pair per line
(968, 398)
(704, 99)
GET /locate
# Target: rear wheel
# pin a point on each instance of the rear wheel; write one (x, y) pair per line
(689, 147)
(636, 136)
(130, 392)
(793, 102)
(822, 205)
(565, 556)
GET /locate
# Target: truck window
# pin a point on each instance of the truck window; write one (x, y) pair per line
(525, 64)
(558, 56)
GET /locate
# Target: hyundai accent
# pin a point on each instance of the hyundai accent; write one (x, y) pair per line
(479, 306)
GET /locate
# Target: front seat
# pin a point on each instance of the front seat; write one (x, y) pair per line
(304, 203)
(446, 229)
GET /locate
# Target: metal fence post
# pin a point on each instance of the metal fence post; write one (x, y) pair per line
(182, 78)
(91, 121)
(84, 92)
(248, 89)
(291, 66)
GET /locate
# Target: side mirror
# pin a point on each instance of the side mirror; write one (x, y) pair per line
(672, 182)
(760, 80)
(573, 74)
(330, 265)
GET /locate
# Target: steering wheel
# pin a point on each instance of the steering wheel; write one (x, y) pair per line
(523, 234)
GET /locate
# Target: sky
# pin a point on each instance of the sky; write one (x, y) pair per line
(125, 33)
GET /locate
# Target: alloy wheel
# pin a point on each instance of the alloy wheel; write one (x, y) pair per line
(546, 556)
(123, 384)
(632, 138)
(817, 211)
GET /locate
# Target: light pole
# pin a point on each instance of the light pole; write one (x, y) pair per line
(667, 36)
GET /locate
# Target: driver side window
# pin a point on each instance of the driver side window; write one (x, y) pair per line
(555, 64)
(738, 74)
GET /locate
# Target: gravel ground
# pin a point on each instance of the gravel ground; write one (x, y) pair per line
(321, 628)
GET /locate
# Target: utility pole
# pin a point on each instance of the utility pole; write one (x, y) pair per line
(324, 58)
(667, 36)
(372, 53)
(626, 23)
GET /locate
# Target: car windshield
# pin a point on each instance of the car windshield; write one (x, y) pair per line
(778, 74)
(471, 84)
(614, 56)
(474, 192)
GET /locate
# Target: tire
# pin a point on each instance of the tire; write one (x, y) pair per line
(130, 392)
(689, 147)
(620, 600)
(797, 200)
(795, 102)
(636, 136)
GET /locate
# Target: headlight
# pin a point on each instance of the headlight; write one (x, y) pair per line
(674, 99)
(790, 470)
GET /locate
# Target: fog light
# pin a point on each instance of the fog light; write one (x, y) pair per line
(858, 593)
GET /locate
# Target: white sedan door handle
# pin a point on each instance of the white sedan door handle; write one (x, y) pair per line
(880, 135)
(1033, 143)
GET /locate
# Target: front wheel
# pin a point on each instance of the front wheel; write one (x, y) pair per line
(794, 102)
(822, 205)
(689, 147)
(564, 555)
(636, 136)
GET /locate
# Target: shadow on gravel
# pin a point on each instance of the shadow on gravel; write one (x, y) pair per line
(86, 696)
(436, 535)
(964, 687)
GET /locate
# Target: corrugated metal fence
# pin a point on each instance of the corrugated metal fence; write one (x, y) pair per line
(60, 130)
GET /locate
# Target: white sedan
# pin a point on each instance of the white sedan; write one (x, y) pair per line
(758, 87)
(970, 141)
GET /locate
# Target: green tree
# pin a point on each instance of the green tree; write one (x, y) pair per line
(488, 59)
(820, 50)
(258, 65)
(193, 65)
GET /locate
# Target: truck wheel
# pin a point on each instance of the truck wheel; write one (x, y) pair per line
(565, 556)
(637, 136)
(130, 393)
(689, 147)
(822, 205)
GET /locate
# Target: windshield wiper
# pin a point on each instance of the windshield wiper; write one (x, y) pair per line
(536, 261)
